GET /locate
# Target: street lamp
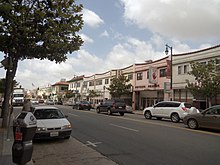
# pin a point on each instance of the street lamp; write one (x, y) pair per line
(171, 66)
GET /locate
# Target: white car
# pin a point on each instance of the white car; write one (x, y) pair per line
(169, 109)
(51, 123)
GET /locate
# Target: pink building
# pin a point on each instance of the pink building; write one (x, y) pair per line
(149, 81)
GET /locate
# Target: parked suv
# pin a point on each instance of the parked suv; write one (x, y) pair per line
(112, 106)
(168, 109)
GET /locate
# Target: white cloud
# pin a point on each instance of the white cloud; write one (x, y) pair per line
(86, 38)
(91, 18)
(176, 19)
(104, 34)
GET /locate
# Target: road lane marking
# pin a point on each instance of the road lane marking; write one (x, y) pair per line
(171, 126)
(73, 114)
(92, 144)
(130, 129)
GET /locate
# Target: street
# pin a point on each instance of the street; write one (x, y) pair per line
(131, 139)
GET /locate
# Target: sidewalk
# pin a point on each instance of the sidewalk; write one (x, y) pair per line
(87, 156)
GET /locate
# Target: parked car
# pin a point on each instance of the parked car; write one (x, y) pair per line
(209, 118)
(168, 109)
(41, 101)
(51, 123)
(34, 101)
(69, 102)
(129, 109)
(112, 106)
(49, 102)
(82, 105)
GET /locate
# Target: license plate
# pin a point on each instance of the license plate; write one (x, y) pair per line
(119, 107)
(52, 134)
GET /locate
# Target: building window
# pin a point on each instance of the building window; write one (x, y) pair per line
(139, 76)
(78, 84)
(148, 74)
(130, 77)
(91, 83)
(64, 88)
(85, 83)
(185, 69)
(179, 69)
(98, 82)
(162, 72)
(107, 81)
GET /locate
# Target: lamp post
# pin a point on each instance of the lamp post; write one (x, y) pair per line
(171, 67)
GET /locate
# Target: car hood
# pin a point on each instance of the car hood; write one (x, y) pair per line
(50, 123)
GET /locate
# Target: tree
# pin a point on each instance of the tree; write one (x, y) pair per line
(207, 78)
(41, 29)
(119, 86)
(93, 94)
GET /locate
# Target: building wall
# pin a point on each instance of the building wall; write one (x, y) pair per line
(179, 77)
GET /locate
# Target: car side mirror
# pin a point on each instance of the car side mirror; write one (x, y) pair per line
(66, 116)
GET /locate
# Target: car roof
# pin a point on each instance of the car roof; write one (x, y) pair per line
(45, 107)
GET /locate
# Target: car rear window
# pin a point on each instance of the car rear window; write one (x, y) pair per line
(48, 114)
(119, 101)
(187, 105)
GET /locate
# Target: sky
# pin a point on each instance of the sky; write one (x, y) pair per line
(119, 33)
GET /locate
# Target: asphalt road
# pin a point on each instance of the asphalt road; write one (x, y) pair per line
(131, 139)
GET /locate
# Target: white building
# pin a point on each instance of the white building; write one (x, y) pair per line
(180, 69)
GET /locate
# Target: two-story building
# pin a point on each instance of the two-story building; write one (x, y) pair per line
(181, 67)
(148, 84)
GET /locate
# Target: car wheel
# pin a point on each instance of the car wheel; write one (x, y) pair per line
(192, 123)
(175, 117)
(147, 115)
(98, 110)
(109, 112)
(88, 109)
(121, 114)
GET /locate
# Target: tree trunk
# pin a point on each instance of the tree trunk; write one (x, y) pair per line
(10, 74)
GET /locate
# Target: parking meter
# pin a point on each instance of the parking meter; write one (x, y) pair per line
(24, 128)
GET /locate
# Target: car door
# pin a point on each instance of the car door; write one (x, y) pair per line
(211, 118)
(158, 109)
(104, 105)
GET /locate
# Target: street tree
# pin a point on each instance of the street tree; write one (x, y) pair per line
(93, 94)
(207, 79)
(119, 87)
(41, 29)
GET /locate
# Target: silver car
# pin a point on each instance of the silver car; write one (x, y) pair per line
(209, 118)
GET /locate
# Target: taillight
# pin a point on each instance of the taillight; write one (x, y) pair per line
(113, 105)
(184, 108)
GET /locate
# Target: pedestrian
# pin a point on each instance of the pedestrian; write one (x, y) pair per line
(27, 106)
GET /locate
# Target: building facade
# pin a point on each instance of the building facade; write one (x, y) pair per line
(148, 84)
(181, 67)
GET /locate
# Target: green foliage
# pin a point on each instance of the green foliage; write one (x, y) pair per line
(93, 94)
(119, 86)
(40, 29)
(69, 94)
(207, 78)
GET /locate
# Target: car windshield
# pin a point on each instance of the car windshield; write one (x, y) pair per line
(85, 102)
(48, 114)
